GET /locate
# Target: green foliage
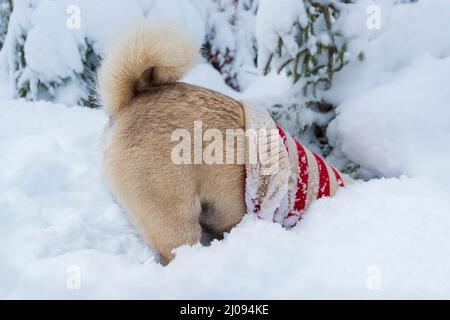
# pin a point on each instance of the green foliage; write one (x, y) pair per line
(321, 49)
(311, 54)
(32, 88)
(231, 20)
(5, 12)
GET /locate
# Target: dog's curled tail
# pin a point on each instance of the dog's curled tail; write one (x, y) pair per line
(146, 55)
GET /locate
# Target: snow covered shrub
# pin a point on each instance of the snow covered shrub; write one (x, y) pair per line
(5, 11)
(48, 60)
(313, 50)
(45, 58)
(52, 48)
(303, 39)
(230, 43)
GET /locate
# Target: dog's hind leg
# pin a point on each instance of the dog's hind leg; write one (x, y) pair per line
(170, 225)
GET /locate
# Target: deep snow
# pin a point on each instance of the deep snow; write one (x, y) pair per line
(383, 238)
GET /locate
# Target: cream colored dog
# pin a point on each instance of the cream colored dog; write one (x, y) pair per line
(171, 204)
(174, 204)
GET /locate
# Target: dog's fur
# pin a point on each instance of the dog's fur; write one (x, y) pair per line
(170, 203)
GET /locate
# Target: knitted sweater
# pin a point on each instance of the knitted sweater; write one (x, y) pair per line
(282, 183)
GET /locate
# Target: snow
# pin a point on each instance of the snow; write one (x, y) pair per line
(51, 50)
(275, 19)
(383, 238)
(57, 35)
(58, 215)
(403, 124)
(213, 81)
(407, 33)
(396, 102)
(101, 20)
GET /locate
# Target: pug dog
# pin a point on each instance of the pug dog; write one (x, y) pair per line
(175, 203)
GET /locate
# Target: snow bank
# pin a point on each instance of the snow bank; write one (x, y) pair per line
(402, 126)
(393, 107)
(385, 238)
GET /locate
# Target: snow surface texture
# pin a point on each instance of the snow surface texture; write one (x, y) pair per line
(385, 238)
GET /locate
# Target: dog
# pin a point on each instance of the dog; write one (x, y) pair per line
(176, 204)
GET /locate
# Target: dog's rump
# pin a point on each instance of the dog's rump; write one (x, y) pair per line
(282, 188)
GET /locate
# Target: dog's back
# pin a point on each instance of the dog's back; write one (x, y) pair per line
(170, 202)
